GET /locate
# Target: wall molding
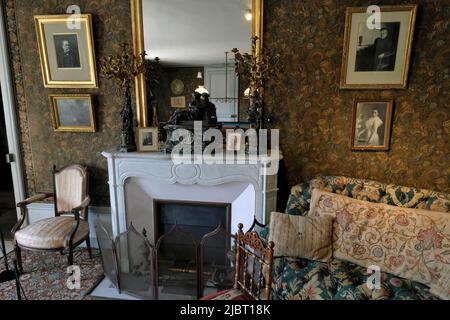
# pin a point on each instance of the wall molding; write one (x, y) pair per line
(9, 108)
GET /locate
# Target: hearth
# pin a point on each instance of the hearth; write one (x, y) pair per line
(179, 228)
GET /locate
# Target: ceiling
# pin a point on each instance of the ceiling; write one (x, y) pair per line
(195, 32)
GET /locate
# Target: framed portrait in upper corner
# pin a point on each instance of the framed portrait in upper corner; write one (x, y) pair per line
(66, 49)
(371, 125)
(377, 47)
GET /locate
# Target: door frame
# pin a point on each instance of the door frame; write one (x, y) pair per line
(9, 108)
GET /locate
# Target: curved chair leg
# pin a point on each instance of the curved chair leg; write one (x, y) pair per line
(18, 253)
(88, 244)
(70, 257)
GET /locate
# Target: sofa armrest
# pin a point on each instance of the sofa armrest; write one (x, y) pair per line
(299, 199)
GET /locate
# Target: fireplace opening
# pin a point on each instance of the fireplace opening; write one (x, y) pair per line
(178, 258)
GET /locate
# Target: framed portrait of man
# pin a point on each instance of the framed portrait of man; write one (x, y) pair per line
(377, 47)
(371, 126)
(73, 113)
(66, 49)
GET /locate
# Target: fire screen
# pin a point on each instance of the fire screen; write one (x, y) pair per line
(137, 267)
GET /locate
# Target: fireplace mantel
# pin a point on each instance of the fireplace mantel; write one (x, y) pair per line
(158, 171)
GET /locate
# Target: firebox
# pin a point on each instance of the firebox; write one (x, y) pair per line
(180, 226)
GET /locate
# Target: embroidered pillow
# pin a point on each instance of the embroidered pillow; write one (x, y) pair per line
(409, 243)
(304, 237)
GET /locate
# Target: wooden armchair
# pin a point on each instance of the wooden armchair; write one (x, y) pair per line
(68, 228)
(253, 274)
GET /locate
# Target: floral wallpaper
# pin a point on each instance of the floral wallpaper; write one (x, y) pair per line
(315, 116)
(41, 146)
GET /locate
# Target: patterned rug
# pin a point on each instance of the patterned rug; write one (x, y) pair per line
(45, 276)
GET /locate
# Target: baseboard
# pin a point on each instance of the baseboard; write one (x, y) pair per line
(38, 211)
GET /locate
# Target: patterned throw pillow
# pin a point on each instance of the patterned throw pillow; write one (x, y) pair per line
(410, 243)
(298, 236)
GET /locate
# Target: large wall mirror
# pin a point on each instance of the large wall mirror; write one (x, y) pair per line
(193, 40)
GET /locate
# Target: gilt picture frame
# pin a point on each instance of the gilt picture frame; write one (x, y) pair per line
(371, 125)
(66, 50)
(377, 57)
(72, 112)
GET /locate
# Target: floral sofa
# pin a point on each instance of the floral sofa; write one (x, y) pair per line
(297, 278)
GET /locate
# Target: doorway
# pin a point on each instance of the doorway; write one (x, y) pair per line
(8, 215)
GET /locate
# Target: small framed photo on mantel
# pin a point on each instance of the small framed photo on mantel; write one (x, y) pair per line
(376, 52)
(148, 139)
(66, 49)
(371, 126)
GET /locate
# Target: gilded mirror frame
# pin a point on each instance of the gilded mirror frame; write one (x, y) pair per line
(137, 27)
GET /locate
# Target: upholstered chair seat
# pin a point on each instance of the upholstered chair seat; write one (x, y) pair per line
(68, 228)
(51, 233)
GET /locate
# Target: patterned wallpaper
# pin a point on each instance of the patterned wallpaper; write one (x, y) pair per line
(314, 115)
(42, 147)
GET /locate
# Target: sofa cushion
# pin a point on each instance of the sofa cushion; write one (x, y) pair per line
(304, 237)
(301, 279)
(404, 196)
(410, 243)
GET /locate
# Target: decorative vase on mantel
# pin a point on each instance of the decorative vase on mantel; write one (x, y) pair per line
(127, 137)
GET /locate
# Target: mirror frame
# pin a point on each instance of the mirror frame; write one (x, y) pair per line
(137, 27)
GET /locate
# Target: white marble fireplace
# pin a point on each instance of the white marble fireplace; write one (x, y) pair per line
(138, 180)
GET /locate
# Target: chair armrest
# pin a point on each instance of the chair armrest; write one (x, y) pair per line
(76, 223)
(83, 205)
(35, 198)
(23, 209)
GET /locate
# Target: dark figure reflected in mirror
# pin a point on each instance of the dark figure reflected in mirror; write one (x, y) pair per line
(376, 49)
(200, 109)
(67, 54)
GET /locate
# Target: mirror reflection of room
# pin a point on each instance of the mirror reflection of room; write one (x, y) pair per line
(195, 54)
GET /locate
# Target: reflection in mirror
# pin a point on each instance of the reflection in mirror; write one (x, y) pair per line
(193, 40)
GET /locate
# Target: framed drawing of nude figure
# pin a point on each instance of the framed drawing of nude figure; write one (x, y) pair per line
(371, 125)
(376, 56)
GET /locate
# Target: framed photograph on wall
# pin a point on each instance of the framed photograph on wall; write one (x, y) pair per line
(66, 50)
(371, 125)
(376, 56)
(178, 102)
(73, 112)
(148, 139)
